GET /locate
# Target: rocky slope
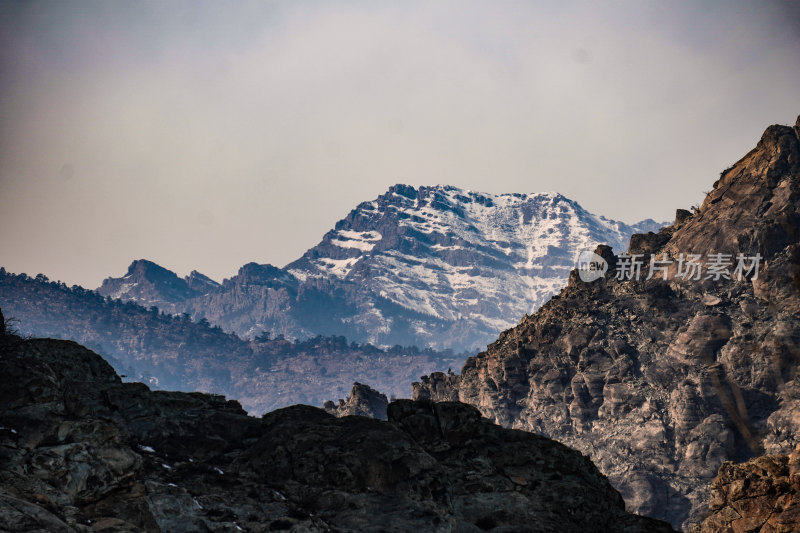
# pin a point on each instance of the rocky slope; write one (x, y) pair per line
(80, 451)
(660, 381)
(761, 495)
(434, 266)
(176, 353)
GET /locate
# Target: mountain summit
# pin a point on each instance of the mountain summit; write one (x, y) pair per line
(151, 284)
(461, 255)
(434, 266)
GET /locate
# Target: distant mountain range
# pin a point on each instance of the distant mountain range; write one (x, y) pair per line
(175, 353)
(435, 266)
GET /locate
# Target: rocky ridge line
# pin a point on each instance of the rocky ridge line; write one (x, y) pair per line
(83, 452)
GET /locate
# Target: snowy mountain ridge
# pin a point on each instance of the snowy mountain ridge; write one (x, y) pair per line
(432, 266)
(455, 254)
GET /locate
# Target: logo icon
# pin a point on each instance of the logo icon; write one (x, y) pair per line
(591, 266)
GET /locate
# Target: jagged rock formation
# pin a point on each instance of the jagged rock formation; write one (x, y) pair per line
(363, 401)
(150, 284)
(434, 266)
(80, 451)
(660, 381)
(761, 495)
(437, 387)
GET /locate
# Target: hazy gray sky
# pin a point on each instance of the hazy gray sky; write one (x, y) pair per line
(209, 134)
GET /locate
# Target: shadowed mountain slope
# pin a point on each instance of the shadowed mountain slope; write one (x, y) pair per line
(83, 452)
(661, 380)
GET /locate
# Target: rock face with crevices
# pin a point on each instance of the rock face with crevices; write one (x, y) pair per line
(80, 451)
(761, 495)
(660, 381)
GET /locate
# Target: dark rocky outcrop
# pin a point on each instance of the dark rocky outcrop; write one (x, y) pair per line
(363, 401)
(80, 451)
(648, 243)
(660, 381)
(761, 495)
(438, 387)
(681, 216)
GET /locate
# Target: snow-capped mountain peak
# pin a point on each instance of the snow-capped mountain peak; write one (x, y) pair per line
(432, 266)
(455, 254)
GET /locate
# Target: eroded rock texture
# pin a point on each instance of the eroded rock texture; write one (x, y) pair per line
(660, 381)
(761, 495)
(82, 451)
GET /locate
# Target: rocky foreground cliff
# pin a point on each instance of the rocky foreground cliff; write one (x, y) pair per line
(661, 380)
(80, 451)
